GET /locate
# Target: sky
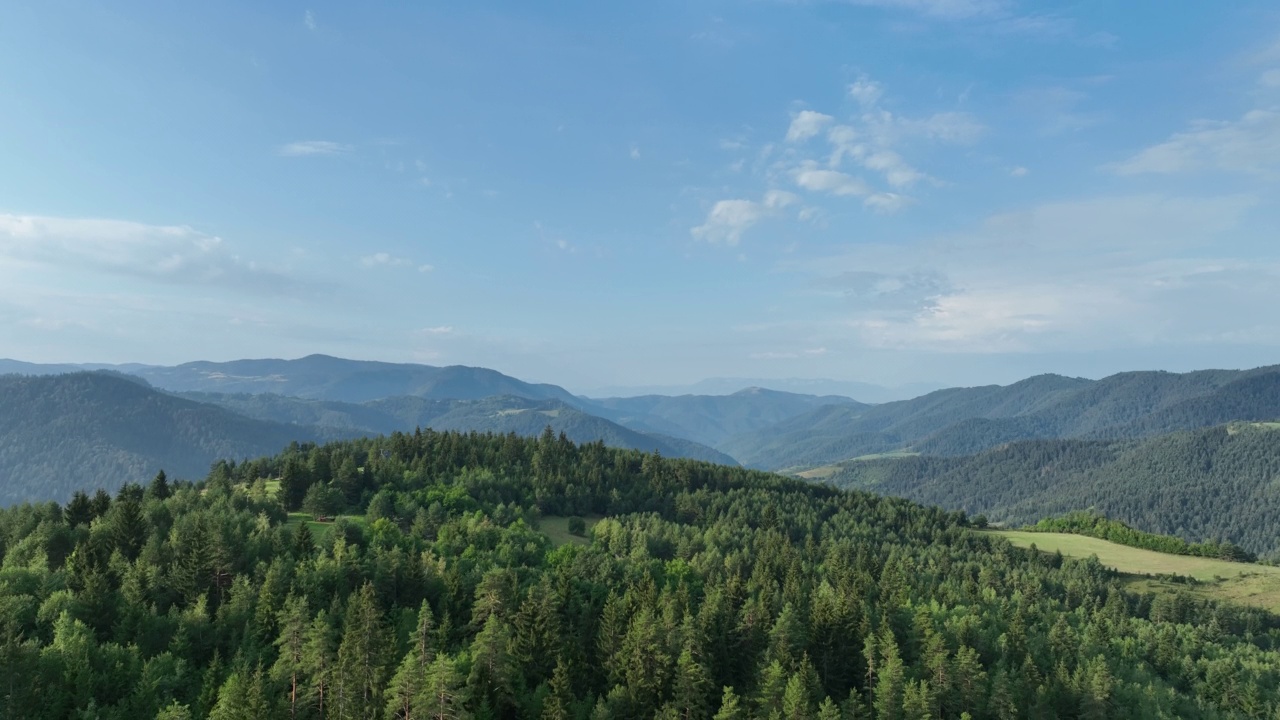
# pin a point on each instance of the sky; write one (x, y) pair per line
(954, 192)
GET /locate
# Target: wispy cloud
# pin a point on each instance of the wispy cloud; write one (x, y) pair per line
(1064, 276)
(728, 220)
(383, 259)
(942, 9)
(806, 124)
(166, 253)
(1248, 145)
(304, 148)
(309, 20)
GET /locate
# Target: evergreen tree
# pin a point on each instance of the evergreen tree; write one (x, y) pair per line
(319, 660)
(358, 682)
(159, 487)
(291, 646)
(730, 707)
(560, 701)
(444, 690)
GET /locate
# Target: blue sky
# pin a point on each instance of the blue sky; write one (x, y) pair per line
(587, 193)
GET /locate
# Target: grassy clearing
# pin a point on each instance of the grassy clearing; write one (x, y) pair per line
(1234, 428)
(556, 527)
(826, 471)
(1257, 585)
(320, 530)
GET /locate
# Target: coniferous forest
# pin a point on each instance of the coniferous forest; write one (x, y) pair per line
(705, 592)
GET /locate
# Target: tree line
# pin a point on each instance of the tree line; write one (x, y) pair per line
(705, 592)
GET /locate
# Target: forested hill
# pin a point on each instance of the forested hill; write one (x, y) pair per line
(962, 421)
(322, 377)
(707, 591)
(713, 419)
(67, 432)
(1220, 484)
(499, 414)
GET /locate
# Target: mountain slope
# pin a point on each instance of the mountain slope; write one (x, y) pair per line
(967, 420)
(321, 377)
(712, 419)
(1219, 483)
(67, 432)
(500, 414)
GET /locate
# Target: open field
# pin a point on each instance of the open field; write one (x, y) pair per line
(827, 471)
(556, 527)
(320, 530)
(1257, 585)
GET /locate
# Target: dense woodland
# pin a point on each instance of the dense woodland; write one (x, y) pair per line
(1218, 484)
(706, 592)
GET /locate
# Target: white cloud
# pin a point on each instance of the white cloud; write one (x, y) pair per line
(830, 181)
(728, 220)
(438, 330)
(383, 259)
(1248, 145)
(426, 268)
(1270, 78)
(866, 91)
(309, 20)
(780, 199)
(1019, 171)
(313, 147)
(887, 203)
(168, 253)
(950, 127)
(1068, 276)
(806, 124)
(635, 152)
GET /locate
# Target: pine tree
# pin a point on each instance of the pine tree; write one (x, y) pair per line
(361, 656)
(493, 669)
(175, 711)
(318, 661)
(294, 622)
(444, 690)
(730, 707)
(159, 488)
(559, 703)
(79, 510)
(890, 682)
(691, 686)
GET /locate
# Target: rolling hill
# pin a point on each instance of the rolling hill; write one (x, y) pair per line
(68, 432)
(321, 377)
(499, 414)
(713, 419)
(962, 421)
(1220, 483)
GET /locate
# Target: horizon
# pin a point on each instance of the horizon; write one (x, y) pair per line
(891, 192)
(895, 393)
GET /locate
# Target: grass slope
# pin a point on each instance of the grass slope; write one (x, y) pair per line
(1247, 583)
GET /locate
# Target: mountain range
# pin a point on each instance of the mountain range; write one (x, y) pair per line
(960, 421)
(71, 428)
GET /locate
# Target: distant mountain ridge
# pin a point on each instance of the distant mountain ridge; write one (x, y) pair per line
(1218, 483)
(960, 421)
(712, 419)
(60, 433)
(63, 433)
(499, 414)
